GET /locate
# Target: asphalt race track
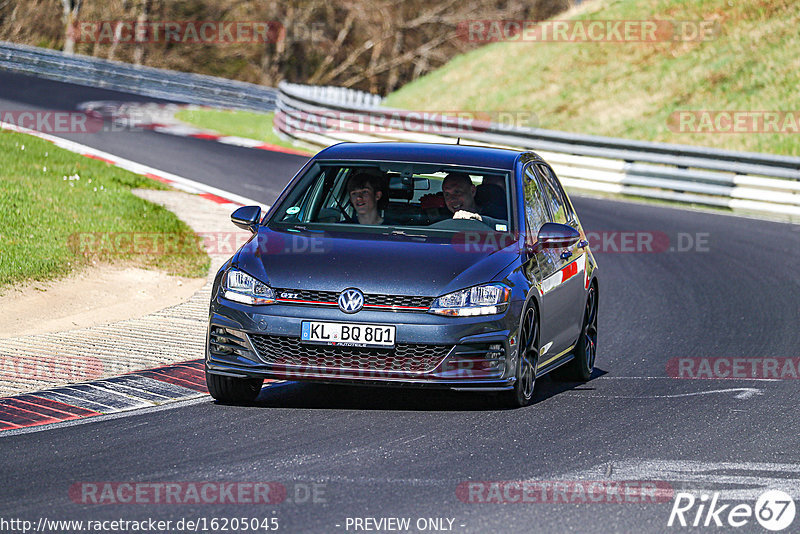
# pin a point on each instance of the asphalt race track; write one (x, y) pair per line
(235, 169)
(722, 287)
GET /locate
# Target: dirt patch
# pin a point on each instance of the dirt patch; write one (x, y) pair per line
(98, 295)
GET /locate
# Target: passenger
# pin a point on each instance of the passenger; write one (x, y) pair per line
(459, 196)
(367, 194)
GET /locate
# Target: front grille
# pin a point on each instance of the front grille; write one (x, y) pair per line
(316, 296)
(331, 297)
(405, 358)
(397, 300)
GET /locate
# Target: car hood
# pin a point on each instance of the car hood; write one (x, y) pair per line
(373, 263)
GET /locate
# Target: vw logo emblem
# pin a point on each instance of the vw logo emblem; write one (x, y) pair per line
(351, 300)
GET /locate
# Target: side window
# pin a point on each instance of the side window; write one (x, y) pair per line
(535, 211)
(336, 195)
(559, 206)
(301, 203)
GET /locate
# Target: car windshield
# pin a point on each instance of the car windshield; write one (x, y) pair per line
(425, 197)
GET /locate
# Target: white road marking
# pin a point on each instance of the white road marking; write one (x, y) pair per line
(745, 393)
(672, 378)
(741, 481)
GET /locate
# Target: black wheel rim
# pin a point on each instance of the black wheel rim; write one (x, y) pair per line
(529, 354)
(590, 330)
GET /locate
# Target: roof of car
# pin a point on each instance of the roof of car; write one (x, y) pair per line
(467, 155)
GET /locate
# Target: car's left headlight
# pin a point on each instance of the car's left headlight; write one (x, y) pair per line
(239, 286)
(479, 300)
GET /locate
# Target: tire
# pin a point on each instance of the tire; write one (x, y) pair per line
(527, 358)
(233, 390)
(580, 368)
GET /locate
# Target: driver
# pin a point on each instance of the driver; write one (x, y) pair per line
(459, 196)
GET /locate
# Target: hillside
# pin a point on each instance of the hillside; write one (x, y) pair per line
(374, 45)
(642, 90)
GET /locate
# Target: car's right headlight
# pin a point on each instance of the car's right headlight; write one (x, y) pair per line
(479, 300)
(239, 286)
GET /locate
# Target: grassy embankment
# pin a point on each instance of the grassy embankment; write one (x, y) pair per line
(239, 123)
(631, 89)
(634, 90)
(50, 198)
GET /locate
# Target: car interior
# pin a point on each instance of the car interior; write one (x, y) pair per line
(413, 194)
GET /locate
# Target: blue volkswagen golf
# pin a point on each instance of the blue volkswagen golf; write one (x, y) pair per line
(408, 264)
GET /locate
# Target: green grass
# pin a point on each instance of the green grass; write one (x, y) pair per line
(239, 123)
(631, 89)
(51, 225)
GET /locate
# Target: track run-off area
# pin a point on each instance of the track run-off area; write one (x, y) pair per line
(695, 390)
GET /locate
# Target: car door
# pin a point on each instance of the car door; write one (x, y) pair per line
(566, 285)
(542, 266)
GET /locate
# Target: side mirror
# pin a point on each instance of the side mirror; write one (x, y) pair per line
(555, 235)
(247, 218)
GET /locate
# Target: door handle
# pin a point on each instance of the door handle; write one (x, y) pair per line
(566, 254)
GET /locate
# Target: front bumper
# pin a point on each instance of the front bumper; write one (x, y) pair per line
(476, 353)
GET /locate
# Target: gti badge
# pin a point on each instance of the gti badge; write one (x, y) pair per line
(351, 300)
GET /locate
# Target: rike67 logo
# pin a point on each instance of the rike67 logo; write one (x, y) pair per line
(774, 510)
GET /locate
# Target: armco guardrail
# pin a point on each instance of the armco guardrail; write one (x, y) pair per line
(681, 173)
(160, 83)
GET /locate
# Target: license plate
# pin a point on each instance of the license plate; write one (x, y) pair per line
(347, 334)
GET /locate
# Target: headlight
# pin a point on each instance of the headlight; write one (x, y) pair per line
(241, 287)
(478, 300)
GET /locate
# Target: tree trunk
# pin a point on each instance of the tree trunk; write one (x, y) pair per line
(72, 9)
(138, 52)
(117, 32)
